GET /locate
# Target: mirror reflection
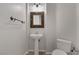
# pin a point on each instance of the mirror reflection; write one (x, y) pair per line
(37, 20)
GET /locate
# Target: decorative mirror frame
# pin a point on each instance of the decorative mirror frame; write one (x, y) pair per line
(32, 19)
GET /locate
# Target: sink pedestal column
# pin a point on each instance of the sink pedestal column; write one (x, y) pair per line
(36, 37)
(36, 49)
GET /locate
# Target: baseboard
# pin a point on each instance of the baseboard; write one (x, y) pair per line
(33, 51)
(39, 50)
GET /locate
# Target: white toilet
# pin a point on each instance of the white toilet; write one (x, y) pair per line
(63, 47)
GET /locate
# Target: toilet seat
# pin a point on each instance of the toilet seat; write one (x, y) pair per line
(58, 52)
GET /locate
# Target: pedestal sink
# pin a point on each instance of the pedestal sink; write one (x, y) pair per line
(36, 37)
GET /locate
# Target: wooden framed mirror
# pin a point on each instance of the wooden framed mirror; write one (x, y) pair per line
(37, 19)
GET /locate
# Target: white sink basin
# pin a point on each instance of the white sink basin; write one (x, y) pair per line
(36, 36)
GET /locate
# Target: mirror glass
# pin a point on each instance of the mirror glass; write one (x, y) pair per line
(37, 20)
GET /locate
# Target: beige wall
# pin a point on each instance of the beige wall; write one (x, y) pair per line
(77, 41)
(66, 22)
(12, 35)
(51, 27)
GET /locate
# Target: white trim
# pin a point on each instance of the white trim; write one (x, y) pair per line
(33, 51)
(47, 53)
(39, 50)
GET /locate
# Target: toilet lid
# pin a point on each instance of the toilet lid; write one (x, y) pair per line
(58, 52)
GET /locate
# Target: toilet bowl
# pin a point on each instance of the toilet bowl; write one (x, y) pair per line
(63, 47)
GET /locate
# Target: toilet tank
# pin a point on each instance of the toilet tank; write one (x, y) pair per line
(64, 45)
